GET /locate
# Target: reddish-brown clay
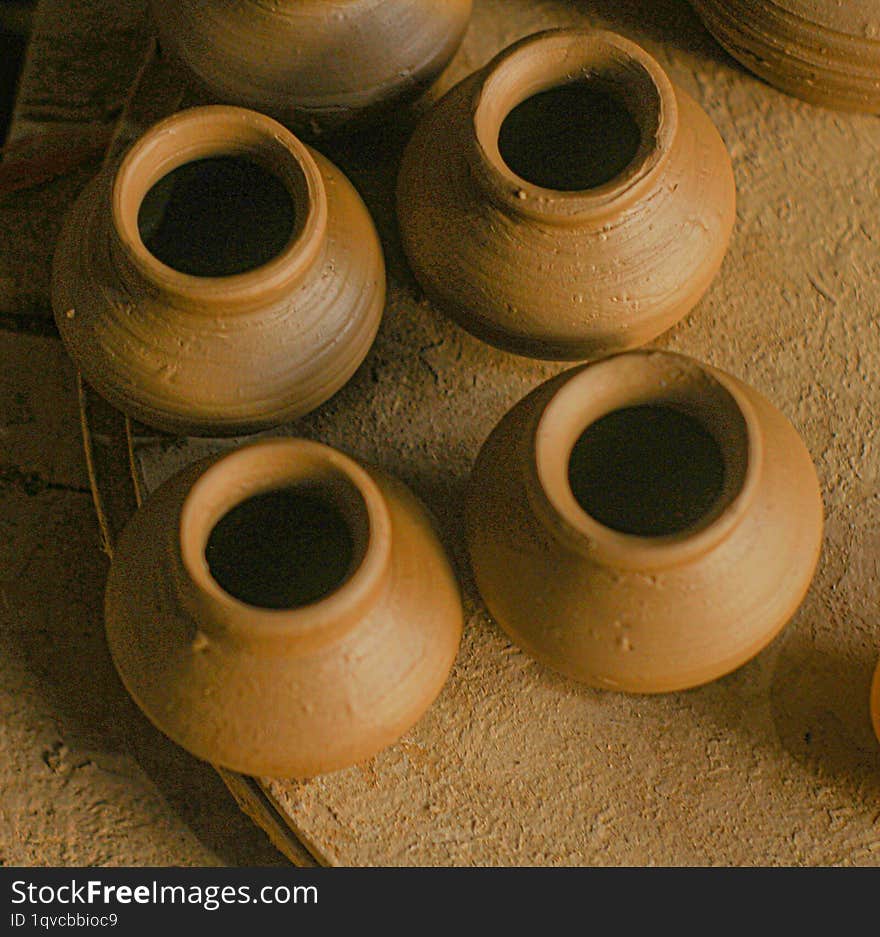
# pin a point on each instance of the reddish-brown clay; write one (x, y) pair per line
(226, 354)
(618, 230)
(824, 51)
(646, 523)
(317, 63)
(336, 624)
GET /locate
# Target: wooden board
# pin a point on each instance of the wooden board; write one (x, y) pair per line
(775, 764)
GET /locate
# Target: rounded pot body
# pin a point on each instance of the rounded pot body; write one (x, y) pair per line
(566, 273)
(616, 606)
(219, 355)
(823, 51)
(282, 691)
(316, 63)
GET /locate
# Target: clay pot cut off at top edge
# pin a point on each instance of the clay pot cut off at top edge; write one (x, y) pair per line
(647, 523)
(824, 51)
(282, 611)
(582, 204)
(313, 64)
(261, 290)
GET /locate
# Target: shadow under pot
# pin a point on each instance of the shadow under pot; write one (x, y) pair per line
(282, 611)
(582, 204)
(645, 524)
(221, 279)
(313, 64)
(823, 51)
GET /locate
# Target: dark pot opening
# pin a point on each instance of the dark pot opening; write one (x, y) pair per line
(573, 137)
(217, 217)
(282, 549)
(650, 471)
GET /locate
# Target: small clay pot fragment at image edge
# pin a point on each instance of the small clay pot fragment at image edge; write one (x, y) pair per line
(282, 611)
(646, 523)
(826, 52)
(583, 204)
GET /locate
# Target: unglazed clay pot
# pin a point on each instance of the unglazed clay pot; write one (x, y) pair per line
(223, 278)
(646, 523)
(313, 62)
(824, 51)
(580, 206)
(282, 611)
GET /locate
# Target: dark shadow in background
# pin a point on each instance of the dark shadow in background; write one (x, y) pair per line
(15, 18)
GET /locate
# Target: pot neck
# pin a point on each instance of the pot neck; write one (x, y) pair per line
(712, 399)
(211, 132)
(555, 59)
(308, 468)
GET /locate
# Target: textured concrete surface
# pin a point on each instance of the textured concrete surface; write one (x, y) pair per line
(14, 31)
(774, 764)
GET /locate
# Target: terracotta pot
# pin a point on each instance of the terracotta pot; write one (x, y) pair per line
(646, 523)
(220, 354)
(317, 63)
(282, 611)
(824, 51)
(618, 230)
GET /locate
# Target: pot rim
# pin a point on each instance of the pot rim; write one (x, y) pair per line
(212, 131)
(270, 465)
(647, 377)
(550, 59)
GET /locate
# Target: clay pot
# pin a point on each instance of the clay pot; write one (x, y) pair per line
(824, 51)
(582, 204)
(314, 63)
(268, 293)
(282, 611)
(646, 523)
